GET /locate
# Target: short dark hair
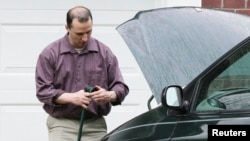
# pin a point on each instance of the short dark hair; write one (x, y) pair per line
(82, 15)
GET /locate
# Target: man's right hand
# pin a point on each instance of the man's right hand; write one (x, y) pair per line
(80, 98)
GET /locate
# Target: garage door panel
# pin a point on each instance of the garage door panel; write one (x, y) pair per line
(32, 17)
(21, 44)
(18, 97)
(136, 82)
(22, 123)
(111, 18)
(15, 81)
(93, 4)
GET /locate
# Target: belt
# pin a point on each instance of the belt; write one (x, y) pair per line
(89, 115)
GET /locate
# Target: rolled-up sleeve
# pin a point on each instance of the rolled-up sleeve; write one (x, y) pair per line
(44, 75)
(116, 81)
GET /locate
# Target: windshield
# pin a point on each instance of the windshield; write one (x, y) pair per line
(227, 87)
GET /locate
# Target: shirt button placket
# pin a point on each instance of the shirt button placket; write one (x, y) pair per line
(78, 72)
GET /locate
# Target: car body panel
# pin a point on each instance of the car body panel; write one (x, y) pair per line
(195, 127)
(148, 126)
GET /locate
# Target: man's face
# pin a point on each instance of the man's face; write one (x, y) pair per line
(79, 33)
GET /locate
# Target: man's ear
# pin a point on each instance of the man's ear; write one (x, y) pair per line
(66, 27)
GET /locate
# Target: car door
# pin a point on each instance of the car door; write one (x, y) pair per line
(221, 96)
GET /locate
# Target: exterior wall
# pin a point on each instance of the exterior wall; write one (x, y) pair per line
(238, 6)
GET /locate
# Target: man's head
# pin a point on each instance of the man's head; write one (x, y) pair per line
(80, 12)
(79, 26)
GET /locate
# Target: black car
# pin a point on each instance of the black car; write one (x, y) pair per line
(197, 64)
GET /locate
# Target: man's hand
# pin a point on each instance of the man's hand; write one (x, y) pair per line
(102, 95)
(80, 98)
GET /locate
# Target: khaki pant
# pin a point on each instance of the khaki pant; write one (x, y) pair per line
(61, 129)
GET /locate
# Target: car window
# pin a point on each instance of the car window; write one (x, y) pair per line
(227, 87)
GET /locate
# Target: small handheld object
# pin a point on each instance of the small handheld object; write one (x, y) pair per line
(90, 89)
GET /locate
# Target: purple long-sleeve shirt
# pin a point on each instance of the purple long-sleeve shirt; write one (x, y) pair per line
(61, 69)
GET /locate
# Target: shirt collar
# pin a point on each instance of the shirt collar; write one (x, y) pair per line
(67, 47)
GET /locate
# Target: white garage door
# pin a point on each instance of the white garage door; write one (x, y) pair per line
(26, 27)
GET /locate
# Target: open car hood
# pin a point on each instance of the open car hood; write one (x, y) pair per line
(174, 45)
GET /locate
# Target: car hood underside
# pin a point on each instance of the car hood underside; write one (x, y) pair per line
(174, 45)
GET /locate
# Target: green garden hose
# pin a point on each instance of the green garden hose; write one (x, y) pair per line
(87, 89)
(81, 125)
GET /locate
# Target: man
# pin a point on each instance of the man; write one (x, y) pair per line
(67, 66)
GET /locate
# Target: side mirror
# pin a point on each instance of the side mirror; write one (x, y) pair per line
(172, 96)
